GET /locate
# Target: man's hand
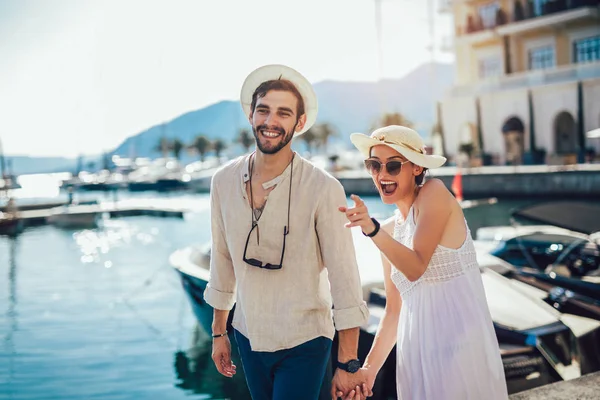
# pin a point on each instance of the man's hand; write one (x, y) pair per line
(221, 355)
(351, 386)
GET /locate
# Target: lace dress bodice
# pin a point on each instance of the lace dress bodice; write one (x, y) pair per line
(445, 263)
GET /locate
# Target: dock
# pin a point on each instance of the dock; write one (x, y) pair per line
(85, 214)
(41, 216)
(586, 387)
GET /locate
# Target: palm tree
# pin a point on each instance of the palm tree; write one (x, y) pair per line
(218, 146)
(395, 119)
(310, 137)
(466, 148)
(325, 131)
(163, 147)
(176, 146)
(106, 161)
(201, 145)
(246, 139)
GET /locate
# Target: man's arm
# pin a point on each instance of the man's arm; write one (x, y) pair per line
(349, 309)
(348, 344)
(220, 291)
(337, 251)
(221, 349)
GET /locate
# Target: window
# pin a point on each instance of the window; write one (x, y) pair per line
(487, 13)
(541, 58)
(538, 7)
(490, 66)
(586, 50)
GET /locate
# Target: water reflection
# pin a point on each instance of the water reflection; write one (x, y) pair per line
(195, 371)
(11, 313)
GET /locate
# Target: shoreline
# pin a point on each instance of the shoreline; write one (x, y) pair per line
(580, 181)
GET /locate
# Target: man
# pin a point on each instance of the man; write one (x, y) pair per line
(281, 253)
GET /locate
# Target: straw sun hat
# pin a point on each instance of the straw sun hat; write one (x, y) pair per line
(275, 72)
(402, 139)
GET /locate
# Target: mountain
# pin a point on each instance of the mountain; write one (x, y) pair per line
(20, 165)
(347, 106)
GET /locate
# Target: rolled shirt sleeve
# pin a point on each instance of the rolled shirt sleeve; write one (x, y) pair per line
(338, 254)
(221, 289)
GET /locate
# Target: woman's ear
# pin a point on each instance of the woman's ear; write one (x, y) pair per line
(417, 170)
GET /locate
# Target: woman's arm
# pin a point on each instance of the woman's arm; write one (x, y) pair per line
(385, 338)
(434, 207)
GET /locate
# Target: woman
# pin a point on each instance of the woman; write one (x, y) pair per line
(436, 311)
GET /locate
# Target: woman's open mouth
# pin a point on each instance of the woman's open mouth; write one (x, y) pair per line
(388, 187)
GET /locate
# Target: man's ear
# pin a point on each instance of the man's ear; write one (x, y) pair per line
(250, 117)
(301, 123)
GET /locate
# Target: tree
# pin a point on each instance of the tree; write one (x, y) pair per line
(325, 131)
(163, 147)
(246, 139)
(395, 119)
(201, 145)
(466, 148)
(176, 146)
(218, 146)
(310, 137)
(106, 161)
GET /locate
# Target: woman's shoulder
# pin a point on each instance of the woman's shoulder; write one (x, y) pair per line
(434, 186)
(434, 194)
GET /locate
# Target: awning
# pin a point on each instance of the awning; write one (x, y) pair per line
(573, 215)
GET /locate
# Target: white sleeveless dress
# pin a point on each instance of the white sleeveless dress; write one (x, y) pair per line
(447, 348)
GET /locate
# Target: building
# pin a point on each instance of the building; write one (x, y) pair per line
(527, 86)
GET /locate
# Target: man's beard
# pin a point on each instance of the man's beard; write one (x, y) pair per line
(285, 138)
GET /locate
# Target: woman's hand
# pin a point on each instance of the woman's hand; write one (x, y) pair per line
(358, 215)
(370, 374)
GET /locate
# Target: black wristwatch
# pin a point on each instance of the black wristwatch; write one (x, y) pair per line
(376, 230)
(351, 366)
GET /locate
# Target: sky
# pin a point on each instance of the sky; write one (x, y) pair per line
(79, 76)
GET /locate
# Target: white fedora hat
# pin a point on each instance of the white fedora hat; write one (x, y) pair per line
(400, 138)
(275, 72)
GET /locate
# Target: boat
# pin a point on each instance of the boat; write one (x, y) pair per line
(192, 264)
(9, 182)
(75, 216)
(159, 175)
(568, 240)
(561, 257)
(539, 344)
(10, 226)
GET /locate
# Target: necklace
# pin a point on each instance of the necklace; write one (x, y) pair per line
(254, 218)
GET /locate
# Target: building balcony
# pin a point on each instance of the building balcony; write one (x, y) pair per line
(525, 17)
(560, 13)
(521, 80)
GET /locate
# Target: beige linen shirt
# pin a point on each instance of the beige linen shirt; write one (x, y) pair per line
(280, 309)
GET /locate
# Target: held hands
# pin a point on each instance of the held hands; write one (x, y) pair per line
(357, 386)
(358, 215)
(221, 355)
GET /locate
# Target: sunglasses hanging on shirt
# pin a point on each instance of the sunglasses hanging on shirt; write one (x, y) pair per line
(253, 261)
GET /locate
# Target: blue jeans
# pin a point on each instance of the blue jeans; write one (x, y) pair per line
(289, 374)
